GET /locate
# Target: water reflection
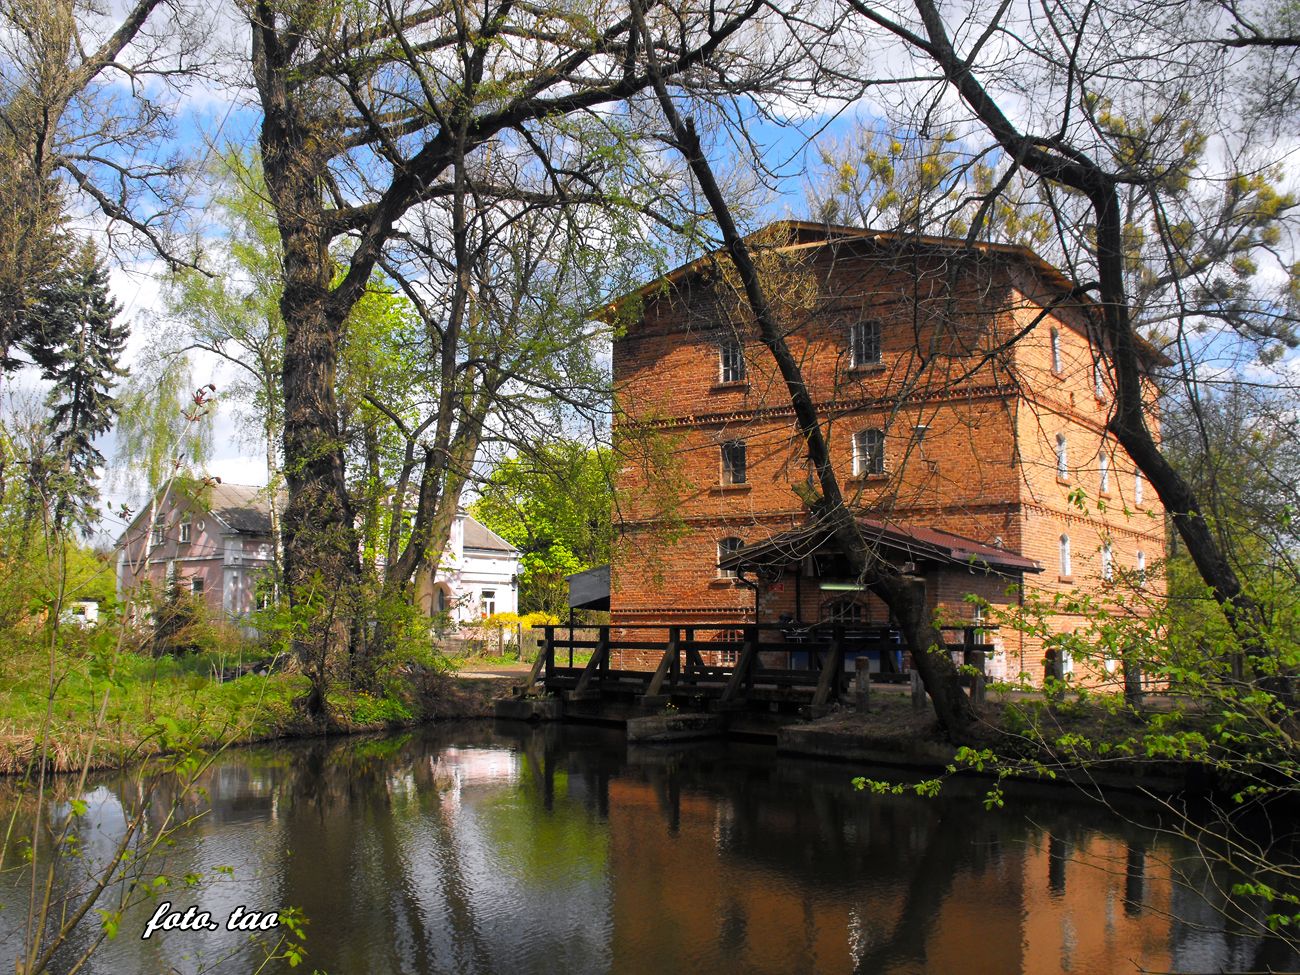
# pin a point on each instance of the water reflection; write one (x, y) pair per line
(483, 849)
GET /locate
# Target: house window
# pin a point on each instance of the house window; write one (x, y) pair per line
(196, 585)
(1098, 380)
(918, 433)
(1103, 469)
(733, 462)
(864, 344)
(1066, 567)
(731, 360)
(868, 452)
(1141, 568)
(156, 534)
(1137, 487)
(1062, 458)
(488, 602)
(1056, 351)
(726, 546)
(843, 611)
(185, 530)
(1107, 562)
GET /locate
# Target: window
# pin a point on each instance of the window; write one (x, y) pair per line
(868, 452)
(844, 611)
(1141, 568)
(1103, 469)
(1066, 567)
(1056, 350)
(196, 585)
(488, 602)
(1062, 458)
(1098, 380)
(731, 360)
(156, 534)
(1137, 487)
(864, 344)
(726, 546)
(918, 433)
(185, 530)
(733, 462)
(1107, 562)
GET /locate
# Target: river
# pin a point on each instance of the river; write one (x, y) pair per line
(500, 848)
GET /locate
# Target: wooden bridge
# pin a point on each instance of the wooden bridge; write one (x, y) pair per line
(779, 666)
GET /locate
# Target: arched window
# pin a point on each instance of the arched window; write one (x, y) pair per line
(1098, 380)
(1107, 562)
(1103, 472)
(1141, 568)
(1056, 350)
(1137, 487)
(1062, 458)
(868, 452)
(727, 546)
(1066, 567)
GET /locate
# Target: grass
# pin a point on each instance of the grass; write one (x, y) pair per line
(153, 704)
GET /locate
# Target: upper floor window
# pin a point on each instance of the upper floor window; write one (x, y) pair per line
(733, 462)
(1107, 562)
(1137, 487)
(185, 529)
(1098, 380)
(1066, 567)
(156, 533)
(1056, 350)
(868, 452)
(1141, 568)
(731, 360)
(864, 343)
(1062, 457)
(727, 546)
(196, 585)
(1103, 471)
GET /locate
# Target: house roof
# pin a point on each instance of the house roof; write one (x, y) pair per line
(244, 508)
(477, 536)
(811, 234)
(903, 542)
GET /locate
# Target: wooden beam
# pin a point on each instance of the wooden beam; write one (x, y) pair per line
(743, 667)
(667, 663)
(599, 658)
(831, 669)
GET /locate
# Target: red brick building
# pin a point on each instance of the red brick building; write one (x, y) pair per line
(965, 403)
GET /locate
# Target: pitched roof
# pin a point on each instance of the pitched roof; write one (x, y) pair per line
(477, 536)
(913, 543)
(244, 508)
(811, 234)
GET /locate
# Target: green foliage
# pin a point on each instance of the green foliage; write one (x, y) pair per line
(554, 504)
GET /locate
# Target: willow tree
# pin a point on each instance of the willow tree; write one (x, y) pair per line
(370, 111)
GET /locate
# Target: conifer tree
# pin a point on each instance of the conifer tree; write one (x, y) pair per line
(78, 352)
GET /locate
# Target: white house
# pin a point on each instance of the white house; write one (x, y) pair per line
(478, 575)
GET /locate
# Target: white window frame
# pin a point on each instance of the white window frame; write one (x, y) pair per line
(186, 529)
(1067, 565)
(1141, 563)
(1056, 350)
(1103, 468)
(196, 585)
(726, 546)
(1062, 457)
(731, 360)
(1107, 562)
(1098, 381)
(864, 344)
(487, 602)
(869, 452)
(1137, 487)
(157, 531)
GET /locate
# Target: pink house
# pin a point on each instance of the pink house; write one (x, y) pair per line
(213, 541)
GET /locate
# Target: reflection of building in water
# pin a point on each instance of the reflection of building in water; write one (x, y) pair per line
(833, 884)
(457, 769)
